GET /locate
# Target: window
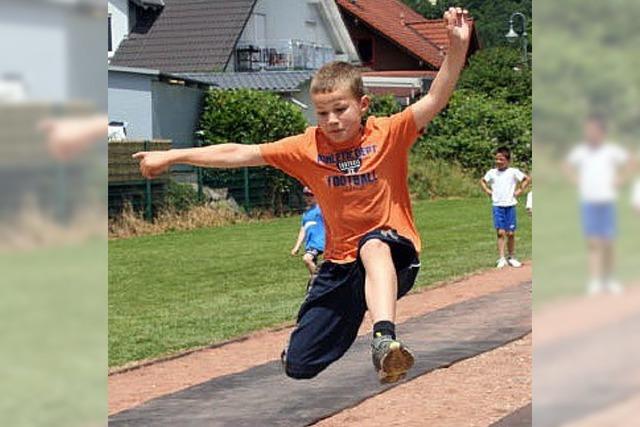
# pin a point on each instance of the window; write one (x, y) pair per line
(365, 50)
(109, 35)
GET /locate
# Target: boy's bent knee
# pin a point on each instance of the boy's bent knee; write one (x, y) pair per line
(374, 246)
(300, 375)
(500, 232)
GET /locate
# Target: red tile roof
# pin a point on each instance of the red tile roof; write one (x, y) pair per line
(426, 39)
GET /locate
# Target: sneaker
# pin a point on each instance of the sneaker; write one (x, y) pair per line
(614, 287)
(514, 262)
(595, 287)
(391, 359)
(502, 263)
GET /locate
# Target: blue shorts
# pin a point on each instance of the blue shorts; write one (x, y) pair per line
(334, 307)
(599, 220)
(504, 218)
(315, 253)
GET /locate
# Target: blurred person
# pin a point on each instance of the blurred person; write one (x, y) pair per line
(504, 184)
(358, 172)
(597, 167)
(635, 196)
(311, 233)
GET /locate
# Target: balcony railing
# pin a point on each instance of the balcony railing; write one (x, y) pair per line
(282, 55)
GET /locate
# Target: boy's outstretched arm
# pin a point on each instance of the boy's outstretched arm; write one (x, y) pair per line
(459, 33)
(155, 163)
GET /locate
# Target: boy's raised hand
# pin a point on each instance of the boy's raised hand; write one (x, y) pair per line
(153, 163)
(456, 20)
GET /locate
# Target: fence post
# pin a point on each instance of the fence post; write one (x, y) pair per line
(199, 175)
(147, 192)
(247, 203)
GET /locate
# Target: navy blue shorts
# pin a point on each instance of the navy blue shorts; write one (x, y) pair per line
(504, 218)
(334, 307)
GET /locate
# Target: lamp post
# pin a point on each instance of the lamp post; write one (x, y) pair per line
(512, 36)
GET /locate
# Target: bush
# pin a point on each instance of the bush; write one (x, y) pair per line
(440, 178)
(383, 106)
(180, 197)
(251, 117)
(472, 127)
(498, 73)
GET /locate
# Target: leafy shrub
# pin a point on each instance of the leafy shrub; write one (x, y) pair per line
(472, 127)
(180, 197)
(383, 106)
(251, 117)
(438, 178)
(498, 73)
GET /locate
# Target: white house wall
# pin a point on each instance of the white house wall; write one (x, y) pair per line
(33, 37)
(119, 11)
(176, 113)
(276, 21)
(131, 101)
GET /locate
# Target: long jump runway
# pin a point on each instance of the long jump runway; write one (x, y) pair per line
(264, 396)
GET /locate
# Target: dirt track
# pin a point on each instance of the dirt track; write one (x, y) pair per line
(474, 392)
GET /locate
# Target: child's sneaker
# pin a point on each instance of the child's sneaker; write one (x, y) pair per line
(514, 262)
(595, 287)
(502, 263)
(391, 359)
(614, 287)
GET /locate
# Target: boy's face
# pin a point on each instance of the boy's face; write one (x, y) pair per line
(309, 199)
(501, 161)
(339, 113)
(594, 132)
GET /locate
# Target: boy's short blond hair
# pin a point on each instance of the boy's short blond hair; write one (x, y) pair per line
(335, 75)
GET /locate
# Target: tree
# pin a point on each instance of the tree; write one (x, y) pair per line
(498, 72)
(492, 16)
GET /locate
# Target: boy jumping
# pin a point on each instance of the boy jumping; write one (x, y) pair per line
(358, 173)
(504, 182)
(311, 233)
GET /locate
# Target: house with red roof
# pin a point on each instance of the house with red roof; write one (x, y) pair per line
(400, 49)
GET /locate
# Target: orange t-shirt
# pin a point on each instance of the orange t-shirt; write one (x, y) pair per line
(361, 185)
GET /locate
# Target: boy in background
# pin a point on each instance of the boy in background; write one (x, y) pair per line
(504, 184)
(599, 167)
(311, 233)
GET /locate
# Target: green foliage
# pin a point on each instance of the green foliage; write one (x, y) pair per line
(438, 178)
(586, 68)
(180, 197)
(472, 127)
(498, 72)
(251, 117)
(383, 106)
(492, 16)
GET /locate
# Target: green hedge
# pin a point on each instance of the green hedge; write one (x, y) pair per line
(252, 117)
(472, 127)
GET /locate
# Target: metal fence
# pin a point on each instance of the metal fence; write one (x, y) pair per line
(249, 187)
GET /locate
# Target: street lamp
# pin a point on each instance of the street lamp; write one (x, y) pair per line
(512, 36)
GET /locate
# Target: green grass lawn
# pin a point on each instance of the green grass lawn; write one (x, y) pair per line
(187, 289)
(53, 318)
